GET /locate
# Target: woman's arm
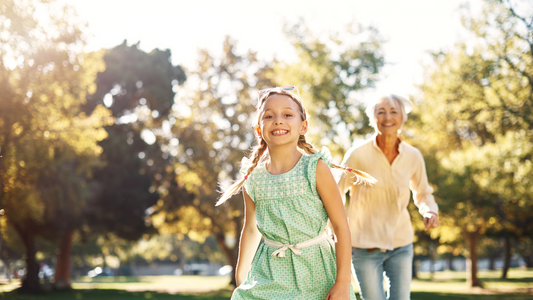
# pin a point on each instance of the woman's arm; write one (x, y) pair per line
(329, 193)
(250, 238)
(423, 194)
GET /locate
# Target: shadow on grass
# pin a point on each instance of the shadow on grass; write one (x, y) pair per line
(462, 280)
(520, 280)
(454, 280)
(444, 296)
(101, 294)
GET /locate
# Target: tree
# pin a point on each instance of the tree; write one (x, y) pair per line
(49, 145)
(477, 126)
(139, 89)
(330, 72)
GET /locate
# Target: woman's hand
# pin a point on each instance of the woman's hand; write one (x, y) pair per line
(431, 220)
(339, 291)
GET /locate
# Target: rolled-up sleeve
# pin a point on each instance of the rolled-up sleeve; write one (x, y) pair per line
(422, 191)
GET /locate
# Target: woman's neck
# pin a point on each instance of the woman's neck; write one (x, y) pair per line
(388, 143)
(282, 160)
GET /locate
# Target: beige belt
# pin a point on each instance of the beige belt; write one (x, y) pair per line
(296, 247)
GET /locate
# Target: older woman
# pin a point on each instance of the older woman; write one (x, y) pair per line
(381, 231)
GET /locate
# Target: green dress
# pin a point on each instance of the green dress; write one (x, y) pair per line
(290, 211)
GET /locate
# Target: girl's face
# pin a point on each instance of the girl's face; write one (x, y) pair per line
(388, 117)
(280, 121)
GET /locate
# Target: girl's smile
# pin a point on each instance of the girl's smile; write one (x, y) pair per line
(281, 122)
(279, 132)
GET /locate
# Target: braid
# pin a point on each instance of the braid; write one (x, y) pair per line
(359, 177)
(306, 146)
(257, 154)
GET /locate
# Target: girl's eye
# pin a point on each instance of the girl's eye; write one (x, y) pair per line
(267, 117)
(288, 115)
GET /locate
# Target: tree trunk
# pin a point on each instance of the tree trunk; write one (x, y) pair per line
(7, 270)
(450, 264)
(62, 272)
(528, 259)
(506, 256)
(492, 261)
(432, 256)
(182, 262)
(104, 263)
(30, 283)
(471, 263)
(415, 269)
(230, 254)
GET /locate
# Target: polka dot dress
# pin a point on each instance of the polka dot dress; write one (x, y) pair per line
(290, 211)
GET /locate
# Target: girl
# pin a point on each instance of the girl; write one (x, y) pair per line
(289, 207)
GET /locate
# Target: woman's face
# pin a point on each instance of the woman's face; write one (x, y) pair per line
(388, 117)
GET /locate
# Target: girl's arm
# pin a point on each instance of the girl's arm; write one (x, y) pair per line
(250, 238)
(329, 193)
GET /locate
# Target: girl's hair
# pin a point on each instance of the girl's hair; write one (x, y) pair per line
(259, 151)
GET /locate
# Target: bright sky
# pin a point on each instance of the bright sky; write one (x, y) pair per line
(412, 27)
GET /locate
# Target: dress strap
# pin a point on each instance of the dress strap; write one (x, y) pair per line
(296, 247)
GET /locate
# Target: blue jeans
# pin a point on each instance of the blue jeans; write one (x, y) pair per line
(370, 267)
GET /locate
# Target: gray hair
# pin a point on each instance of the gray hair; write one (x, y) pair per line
(405, 105)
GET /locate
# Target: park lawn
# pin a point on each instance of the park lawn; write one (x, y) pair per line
(106, 294)
(452, 285)
(169, 284)
(444, 285)
(446, 281)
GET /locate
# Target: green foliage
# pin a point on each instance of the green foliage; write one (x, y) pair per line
(49, 145)
(329, 74)
(132, 75)
(139, 88)
(475, 128)
(477, 124)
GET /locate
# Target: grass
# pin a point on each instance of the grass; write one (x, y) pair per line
(518, 280)
(104, 294)
(169, 284)
(443, 285)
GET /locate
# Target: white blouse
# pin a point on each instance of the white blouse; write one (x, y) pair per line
(377, 214)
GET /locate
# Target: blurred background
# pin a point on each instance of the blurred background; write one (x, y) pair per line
(119, 120)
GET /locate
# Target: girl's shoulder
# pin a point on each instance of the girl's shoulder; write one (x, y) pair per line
(323, 154)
